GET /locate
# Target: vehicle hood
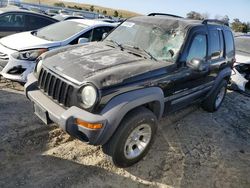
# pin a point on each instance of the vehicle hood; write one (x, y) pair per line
(243, 58)
(99, 63)
(26, 41)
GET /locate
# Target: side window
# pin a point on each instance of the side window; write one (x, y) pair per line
(87, 35)
(221, 43)
(216, 44)
(12, 20)
(229, 41)
(36, 22)
(98, 32)
(198, 49)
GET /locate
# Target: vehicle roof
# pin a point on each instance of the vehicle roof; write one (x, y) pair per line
(61, 17)
(168, 21)
(17, 10)
(92, 22)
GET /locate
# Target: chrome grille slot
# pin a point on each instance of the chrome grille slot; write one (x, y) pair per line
(55, 87)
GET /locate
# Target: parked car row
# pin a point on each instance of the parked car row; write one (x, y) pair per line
(15, 21)
(113, 92)
(18, 53)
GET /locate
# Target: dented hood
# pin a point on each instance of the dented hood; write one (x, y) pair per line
(99, 63)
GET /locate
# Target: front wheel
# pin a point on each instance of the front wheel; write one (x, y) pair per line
(133, 138)
(213, 102)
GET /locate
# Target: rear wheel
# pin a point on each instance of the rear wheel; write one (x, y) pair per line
(133, 138)
(214, 101)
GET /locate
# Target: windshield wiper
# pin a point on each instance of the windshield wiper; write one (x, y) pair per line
(146, 52)
(116, 43)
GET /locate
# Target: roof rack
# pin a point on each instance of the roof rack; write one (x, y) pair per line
(215, 21)
(163, 14)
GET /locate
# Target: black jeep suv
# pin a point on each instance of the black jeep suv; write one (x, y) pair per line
(112, 93)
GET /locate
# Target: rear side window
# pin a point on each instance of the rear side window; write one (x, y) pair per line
(229, 41)
(36, 22)
(12, 20)
(216, 42)
(198, 49)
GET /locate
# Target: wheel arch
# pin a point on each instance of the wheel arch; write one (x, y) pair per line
(225, 74)
(151, 98)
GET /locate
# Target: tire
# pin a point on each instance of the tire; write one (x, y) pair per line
(213, 102)
(118, 148)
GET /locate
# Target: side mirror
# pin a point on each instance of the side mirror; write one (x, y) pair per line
(104, 35)
(215, 55)
(83, 40)
(197, 65)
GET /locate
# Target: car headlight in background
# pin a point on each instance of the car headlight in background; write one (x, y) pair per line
(29, 55)
(38, 67)
(89, 96)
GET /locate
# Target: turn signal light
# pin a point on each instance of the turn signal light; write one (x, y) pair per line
(88, 125)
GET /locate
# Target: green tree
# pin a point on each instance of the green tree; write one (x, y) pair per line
(92, 8)
(104, 12)
(116, 13)
(60, 4)
(194, 15)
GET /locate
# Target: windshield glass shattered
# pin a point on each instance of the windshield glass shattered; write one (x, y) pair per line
(60, 31)
(161, 43)
(242, 44)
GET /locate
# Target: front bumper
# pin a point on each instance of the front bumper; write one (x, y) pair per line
(22, 69)
(238, 80)
(65, 118)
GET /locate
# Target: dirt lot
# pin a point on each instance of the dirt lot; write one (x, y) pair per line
(193, 149)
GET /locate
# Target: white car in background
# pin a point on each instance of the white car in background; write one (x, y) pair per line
(23, 49)
(240, 78)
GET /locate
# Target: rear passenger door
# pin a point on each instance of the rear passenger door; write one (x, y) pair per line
(11, 23)
(216, 55)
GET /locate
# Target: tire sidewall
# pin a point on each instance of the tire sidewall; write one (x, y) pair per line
(119, 158)
(223, 84)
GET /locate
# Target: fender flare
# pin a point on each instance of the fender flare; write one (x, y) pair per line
(222, 75)
(119, 106)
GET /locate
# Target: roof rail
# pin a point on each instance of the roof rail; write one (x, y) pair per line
(163, 14)
(215, 21)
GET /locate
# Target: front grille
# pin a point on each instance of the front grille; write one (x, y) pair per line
(55, 87)
(4, 56)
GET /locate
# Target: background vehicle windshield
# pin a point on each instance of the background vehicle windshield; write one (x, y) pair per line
(242, 44)
(162, 44)
(60, 31)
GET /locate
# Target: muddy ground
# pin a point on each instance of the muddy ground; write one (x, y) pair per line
(193, 149)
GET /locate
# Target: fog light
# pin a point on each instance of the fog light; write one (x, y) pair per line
(88, 125)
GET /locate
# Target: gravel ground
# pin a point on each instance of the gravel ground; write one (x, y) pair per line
(193, 149)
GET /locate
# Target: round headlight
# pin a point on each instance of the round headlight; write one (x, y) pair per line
(89, 96)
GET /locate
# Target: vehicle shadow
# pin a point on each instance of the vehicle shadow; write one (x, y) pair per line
(194, 148)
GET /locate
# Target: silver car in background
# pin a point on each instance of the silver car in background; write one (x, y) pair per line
(23, 49)
(240, 78)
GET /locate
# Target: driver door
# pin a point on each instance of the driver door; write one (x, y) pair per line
(189, 85)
